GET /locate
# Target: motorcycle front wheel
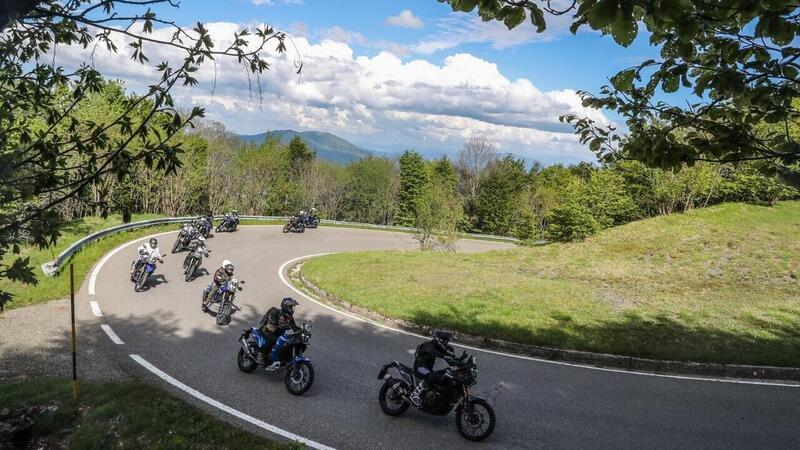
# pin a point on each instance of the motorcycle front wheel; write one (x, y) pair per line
(475, 420)
(176, 245)
(299, 377)
(191, 269)
(224, 313)
(140, 281)
(246, 363)
(286, 228)
(390, 400)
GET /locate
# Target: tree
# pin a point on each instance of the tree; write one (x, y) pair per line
(476, 155)
(500, 189)
(739, 58)
(371, 193)
(300, 156)
(413, 181)
(438, 214)
(48, 154)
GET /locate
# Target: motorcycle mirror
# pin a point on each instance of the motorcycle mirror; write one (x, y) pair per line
(241, 281)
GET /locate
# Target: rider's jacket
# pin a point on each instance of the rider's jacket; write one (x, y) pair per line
(277, 321)
(427, 353)
(194, 243)
(146, 250)
(220, 276)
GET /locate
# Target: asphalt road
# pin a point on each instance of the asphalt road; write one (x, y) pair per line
(538, 404)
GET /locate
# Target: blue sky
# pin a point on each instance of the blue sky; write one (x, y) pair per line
(390, 75)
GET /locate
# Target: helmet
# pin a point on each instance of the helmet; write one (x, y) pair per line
(228, 266)
(288, 304)
(153, 242)
(313, 210)
(441, 338)
(302, 212)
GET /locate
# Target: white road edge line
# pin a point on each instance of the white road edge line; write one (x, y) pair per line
(96, 270)
(96, 309)
(111, 335)
(200, 396)
(283, 267)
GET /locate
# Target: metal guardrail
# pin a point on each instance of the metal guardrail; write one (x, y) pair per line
(51, 268)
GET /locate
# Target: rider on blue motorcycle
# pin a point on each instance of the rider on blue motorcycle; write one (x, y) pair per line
(221, 276)
(275, 322)
(148, 249)
(424, 360)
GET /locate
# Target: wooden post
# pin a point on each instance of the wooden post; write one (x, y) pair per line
(74, 340)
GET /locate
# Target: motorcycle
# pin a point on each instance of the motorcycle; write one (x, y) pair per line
(193, 260)
(475, 418)
(224, 300)
(312, 221)
(229, 223)
(296, 224)
(204, 226)
(288, 350)
(187, 233)
(144, 268)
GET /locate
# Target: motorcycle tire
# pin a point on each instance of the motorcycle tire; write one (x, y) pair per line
(301, 228)
(190, 271)
(292, 386)
(176, 245)
(462, 420)
(388, 409)
(224, 313)
(245, 362)
(219, 228)
(140, 282)
(286, 228)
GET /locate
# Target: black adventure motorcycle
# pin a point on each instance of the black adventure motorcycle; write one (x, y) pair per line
(229, 223)
(193, 261)
(187, 233)
(475, 418)
(296, 224)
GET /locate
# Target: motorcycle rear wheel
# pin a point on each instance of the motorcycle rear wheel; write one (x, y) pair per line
(246, 363)
(299, 377)
(391, 406)
(478, 423)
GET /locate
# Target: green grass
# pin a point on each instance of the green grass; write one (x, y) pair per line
(721, 284)
(123, 415)
(58, 286)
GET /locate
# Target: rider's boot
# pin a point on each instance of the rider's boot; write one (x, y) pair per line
(260, 359)
(416, 397)
(274, 366)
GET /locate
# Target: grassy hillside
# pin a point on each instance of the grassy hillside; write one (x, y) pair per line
(328, 146)
(720, 284)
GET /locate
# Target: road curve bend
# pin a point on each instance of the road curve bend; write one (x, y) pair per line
(538, 403)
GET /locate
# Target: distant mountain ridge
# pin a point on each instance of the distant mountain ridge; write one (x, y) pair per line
(328, 146)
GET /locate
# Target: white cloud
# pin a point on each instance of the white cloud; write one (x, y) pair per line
(460, 28)
(406, 19)
(370, 99)
(354, 37)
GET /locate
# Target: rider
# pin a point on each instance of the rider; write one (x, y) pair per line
(196, 241)
(146, 250)
(424, 360)
(221, 276)
(275, 322)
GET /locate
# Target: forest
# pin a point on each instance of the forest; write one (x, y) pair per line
(479, 189)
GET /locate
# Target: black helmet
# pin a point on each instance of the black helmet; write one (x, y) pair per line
(153, 242)
(288, 304)
(442, 338)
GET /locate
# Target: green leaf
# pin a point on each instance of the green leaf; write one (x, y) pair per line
(514, 17)
(623, 80)
(602, 14)
(537, 18)
(624, 29)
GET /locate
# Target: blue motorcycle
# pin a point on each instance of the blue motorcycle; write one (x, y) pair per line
(204, 226)
(229, 223)
(288, 351)
(145, 267)
(223, 300)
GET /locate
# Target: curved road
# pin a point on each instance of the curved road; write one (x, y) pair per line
(538, 404)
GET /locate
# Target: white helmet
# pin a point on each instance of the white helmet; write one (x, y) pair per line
(313, 210)
(228, 266)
